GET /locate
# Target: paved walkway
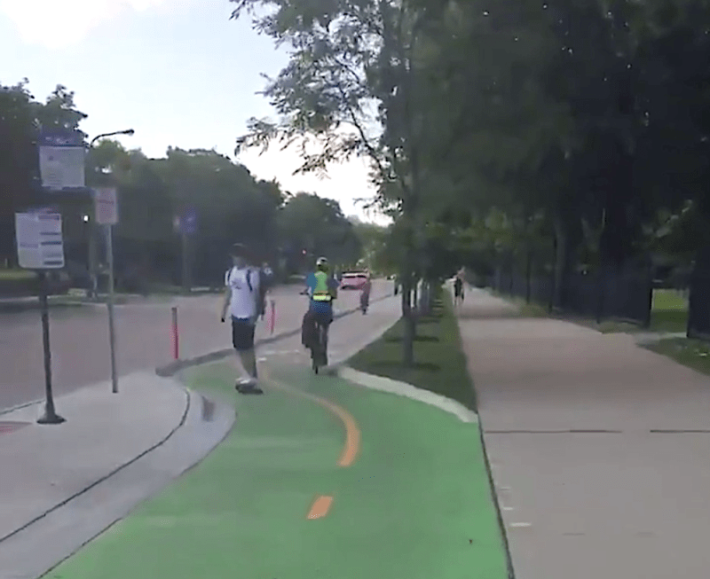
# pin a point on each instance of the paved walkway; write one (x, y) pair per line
(114, 450)
(319, 479)
(600, 450)
(80, 343)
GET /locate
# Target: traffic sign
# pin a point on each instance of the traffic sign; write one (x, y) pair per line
(106, 206)
(39, 240)
(61, 160)
(188, 221)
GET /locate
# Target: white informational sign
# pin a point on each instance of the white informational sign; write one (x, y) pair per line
(61, 160)
(106, 206)
(39, 240)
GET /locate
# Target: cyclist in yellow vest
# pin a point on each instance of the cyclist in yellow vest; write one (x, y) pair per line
(323, 289)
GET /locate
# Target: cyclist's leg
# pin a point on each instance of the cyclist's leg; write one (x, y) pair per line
(324, 320)
(326, 335)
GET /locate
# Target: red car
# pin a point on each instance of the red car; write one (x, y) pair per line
(353, 281)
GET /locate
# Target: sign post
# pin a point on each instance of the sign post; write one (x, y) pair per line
(40, 247)
(187, 224)
(106, 212)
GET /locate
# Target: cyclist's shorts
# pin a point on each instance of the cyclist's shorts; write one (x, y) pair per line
(322, 308)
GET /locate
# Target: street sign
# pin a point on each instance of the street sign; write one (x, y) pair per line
(61, 160)
(106, 206)
(188, 221)
(40, 244)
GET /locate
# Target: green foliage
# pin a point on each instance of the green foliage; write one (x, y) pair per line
(441, 364)
(232, 206)
(317, 226)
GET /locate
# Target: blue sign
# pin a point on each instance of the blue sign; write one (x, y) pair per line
(188, 221)
(61, 160)
(61, 138)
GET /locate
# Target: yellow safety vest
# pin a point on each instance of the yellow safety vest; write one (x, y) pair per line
(321, 293)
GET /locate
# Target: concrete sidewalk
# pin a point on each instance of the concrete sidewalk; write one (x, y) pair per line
(316, 476)
(61, 485)
(599, 449)
(80, 344)
(44, 466)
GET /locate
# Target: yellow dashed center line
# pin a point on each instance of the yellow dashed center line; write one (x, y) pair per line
(320, 507)
(322, 504)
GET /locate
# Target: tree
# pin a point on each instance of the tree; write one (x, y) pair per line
(372, 239)
(351, 85)
(314, 226)
(21, 117)
(17, 162)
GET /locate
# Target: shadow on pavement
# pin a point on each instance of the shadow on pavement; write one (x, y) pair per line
(500, 313)
(396, 364)
(398, 339)
(29, 306)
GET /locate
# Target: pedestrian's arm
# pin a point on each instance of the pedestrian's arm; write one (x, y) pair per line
(225, 303)
(310, 285)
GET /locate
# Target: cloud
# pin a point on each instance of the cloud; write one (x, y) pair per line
(58, 24)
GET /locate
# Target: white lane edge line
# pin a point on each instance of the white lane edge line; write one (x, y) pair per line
(408, 391)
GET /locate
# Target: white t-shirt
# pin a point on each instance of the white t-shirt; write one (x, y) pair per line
(242, 304)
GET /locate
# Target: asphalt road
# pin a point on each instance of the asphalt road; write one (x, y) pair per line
(80, 343)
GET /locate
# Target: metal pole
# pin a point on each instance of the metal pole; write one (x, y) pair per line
(176, 335)
(50, 415)
(93, 266)
(185, 264)
(111, 327)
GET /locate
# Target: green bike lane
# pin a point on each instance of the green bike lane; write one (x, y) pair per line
(412, 500)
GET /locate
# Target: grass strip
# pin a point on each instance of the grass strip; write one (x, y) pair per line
(692, 353)
(439, 362)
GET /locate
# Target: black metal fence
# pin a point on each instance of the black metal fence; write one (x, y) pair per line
(699, 306)
(624, 293)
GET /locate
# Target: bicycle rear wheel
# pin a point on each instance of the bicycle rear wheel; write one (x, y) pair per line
(319, 355)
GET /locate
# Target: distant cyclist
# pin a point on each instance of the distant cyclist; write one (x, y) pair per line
(322, 289)
(458, 290)
(365, 294)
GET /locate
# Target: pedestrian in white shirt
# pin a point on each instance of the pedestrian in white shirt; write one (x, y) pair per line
(242, 299)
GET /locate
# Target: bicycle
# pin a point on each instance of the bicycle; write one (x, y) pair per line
(319, 353)
(319, 348)
(364, 302)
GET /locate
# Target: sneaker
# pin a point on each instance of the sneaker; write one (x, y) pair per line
(242, 382)
(249, 386)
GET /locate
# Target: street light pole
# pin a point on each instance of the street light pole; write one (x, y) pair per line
(128, 132)
(93, 256)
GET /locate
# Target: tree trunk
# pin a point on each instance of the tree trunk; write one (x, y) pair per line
(560, 262)
(409, 323)
(698, 302)
(528, 275)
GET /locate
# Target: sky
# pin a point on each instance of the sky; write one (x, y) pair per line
(179, 72)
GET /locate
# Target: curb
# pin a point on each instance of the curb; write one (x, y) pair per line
(170, 370)
(492, 486)
(113, 472)
(499, 513)
(383, 384)
(4, 411)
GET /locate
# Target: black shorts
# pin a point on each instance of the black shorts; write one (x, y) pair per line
(458, 290)
(242, 335)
